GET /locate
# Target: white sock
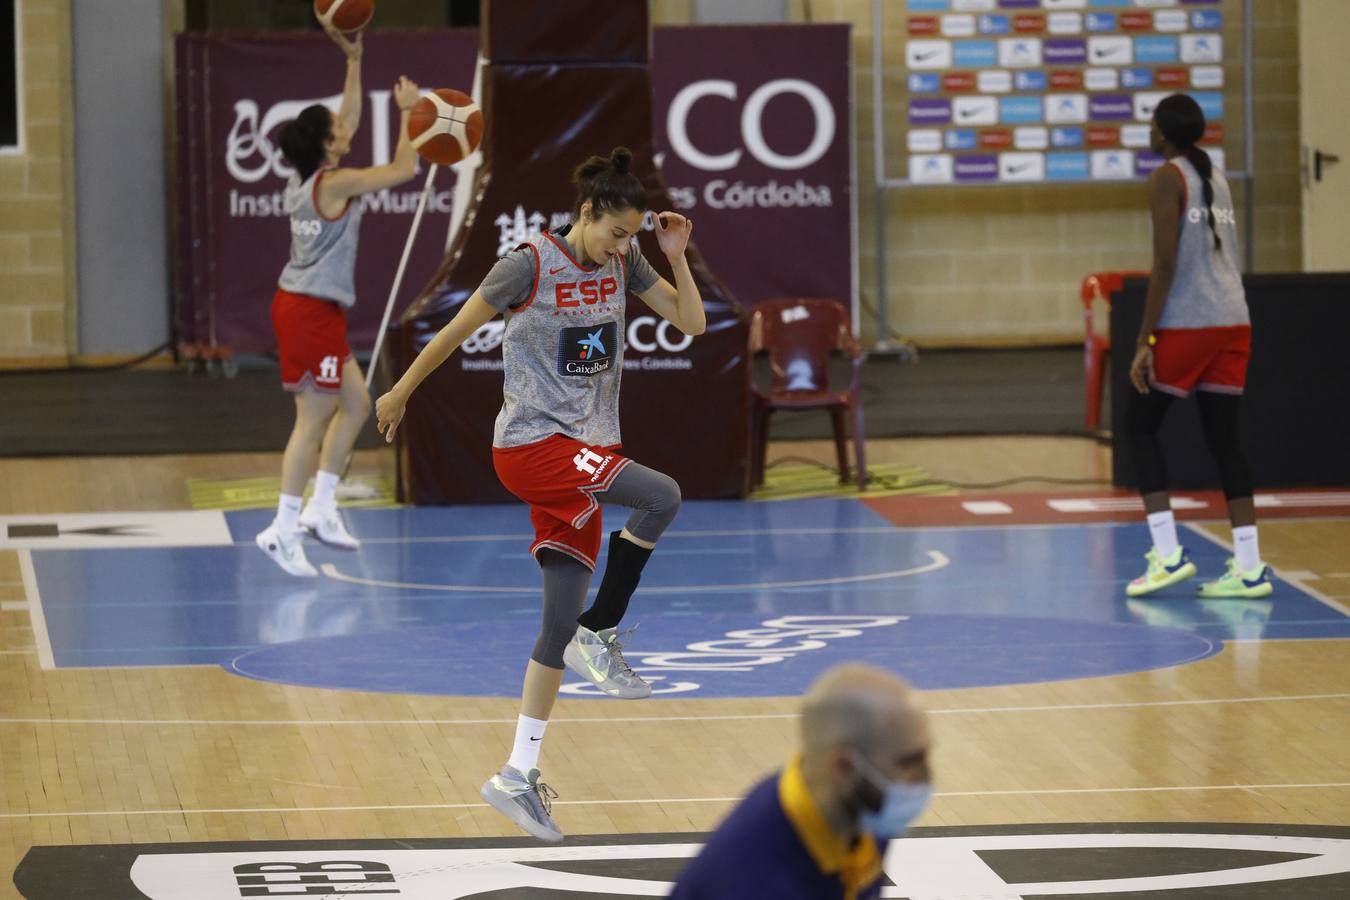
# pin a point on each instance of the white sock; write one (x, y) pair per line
(1246, 550)
(288, 512)
(325, 490)
(1163, 528)
(529, 735)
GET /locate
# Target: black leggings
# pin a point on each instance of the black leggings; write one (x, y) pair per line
(1219, 420)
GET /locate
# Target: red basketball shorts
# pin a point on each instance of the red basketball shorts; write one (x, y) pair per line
(1202, 359)
(559, 478)
(311, 340)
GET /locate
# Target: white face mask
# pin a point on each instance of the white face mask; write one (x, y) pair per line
(902, 802)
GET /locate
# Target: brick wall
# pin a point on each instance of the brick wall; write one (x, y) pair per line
(37, 232)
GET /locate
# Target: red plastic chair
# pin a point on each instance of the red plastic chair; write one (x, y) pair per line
(799, 336)
(1096, 347)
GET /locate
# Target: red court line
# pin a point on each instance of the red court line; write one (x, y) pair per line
(1070, 507)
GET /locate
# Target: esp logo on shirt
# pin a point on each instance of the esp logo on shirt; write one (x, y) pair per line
(567, 294)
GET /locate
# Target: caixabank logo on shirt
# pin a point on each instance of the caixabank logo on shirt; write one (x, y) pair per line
(1131, 861)
(586, 350)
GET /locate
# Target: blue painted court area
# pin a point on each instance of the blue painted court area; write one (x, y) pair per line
(740, 599)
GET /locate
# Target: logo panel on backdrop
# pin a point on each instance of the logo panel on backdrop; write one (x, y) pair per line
(750, 126)
(233, 94)
(1224, 862)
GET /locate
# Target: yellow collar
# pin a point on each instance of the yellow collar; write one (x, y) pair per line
(857, 866)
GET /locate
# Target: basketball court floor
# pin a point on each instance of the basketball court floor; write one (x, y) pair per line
(180, 719)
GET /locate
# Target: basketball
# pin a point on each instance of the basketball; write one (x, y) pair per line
(345, 15)
(445, 126)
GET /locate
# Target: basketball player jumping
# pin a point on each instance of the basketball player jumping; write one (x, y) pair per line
(554, 447)
(309, 309)
(1196, 335)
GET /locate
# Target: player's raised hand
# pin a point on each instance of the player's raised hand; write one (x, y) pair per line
(672, 233)
(406, 92)
(349, 46)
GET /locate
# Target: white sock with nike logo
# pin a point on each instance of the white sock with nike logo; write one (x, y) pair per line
(525, 751)
(1162, 527)
(1246, 549)
(288, 513)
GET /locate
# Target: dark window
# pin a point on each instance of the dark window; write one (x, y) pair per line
(9, 75)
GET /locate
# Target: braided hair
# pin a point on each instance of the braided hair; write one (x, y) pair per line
(1182, 123)
(608, 185)
(303, 139)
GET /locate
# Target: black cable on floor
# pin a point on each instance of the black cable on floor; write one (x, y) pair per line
(106, 367)
(897, 483)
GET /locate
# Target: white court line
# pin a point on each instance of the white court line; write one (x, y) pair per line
(590, 720)
(493, 538)
(1290, 577)
(28, 652)
(14, 606)
(30, 590)
(1025, 792)
(937, 560)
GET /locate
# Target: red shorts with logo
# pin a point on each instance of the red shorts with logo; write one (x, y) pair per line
(1202, 359)
(311, 340)
(559, 478)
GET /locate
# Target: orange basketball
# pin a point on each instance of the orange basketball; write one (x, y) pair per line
(345, 15)
(445, 126)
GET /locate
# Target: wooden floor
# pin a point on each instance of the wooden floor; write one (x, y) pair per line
(1258, 733)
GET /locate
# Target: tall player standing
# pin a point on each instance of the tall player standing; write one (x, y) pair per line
(556, 436)
(309, 309)
(1196, 335)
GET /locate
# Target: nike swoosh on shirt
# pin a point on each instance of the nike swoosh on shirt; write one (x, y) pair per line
(557, 270)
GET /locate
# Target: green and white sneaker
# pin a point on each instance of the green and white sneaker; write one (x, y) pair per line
(523, 799)
(1162, 573)
(1239, 585)
(597, 656)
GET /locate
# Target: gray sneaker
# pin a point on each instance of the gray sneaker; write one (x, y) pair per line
(523, 799)
(598, 658)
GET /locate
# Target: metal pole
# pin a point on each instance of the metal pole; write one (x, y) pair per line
(879, 170)
(1249, 195)
(398, 277)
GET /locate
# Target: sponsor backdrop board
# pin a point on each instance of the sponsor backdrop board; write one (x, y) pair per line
(757, 153)
(1019, 91)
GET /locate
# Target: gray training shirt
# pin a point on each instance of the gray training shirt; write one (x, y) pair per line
(1207, 289)
(323, 250)
(563, 346)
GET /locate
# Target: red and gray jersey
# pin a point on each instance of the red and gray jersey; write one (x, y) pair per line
(1207, 287)
(563, 350)
(323, 250)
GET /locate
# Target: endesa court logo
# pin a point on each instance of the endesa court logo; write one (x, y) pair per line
(586, 350)
(1098, 859)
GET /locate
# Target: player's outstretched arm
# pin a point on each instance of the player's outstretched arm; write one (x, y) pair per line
(350, 110)
(473, 315)
(346, 183)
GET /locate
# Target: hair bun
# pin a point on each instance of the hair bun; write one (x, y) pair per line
(621, 158)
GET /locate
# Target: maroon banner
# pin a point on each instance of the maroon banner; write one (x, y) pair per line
(754, 126)
(234, 91)
(750, 124)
